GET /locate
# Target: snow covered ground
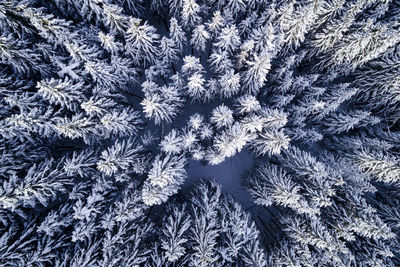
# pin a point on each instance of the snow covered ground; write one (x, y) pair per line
(229, 174)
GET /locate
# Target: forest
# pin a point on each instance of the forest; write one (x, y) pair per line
(156, 133)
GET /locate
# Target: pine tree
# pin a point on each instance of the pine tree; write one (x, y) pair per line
(124, 155)
(220, 61)
(270, 142)
(230, 84)
(274, 185)
(164, 178)
(216, 22)
(383, 168)
(337, 123)
(199, 38)
(141, 41)
(255, 76)
(247, 104)
(190, 13)
(161, 107)
(172, 143)
(222, 116)
(169, 51)
(231, 141)
(40, 184)
(177, 34)
(195, 87)
(229, 39)
(174, 240)
(15, 53)
(109, 110)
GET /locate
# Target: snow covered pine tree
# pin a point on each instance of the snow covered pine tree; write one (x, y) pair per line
(111, 110)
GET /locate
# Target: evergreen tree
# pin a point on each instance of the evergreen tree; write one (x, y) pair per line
(110, 109)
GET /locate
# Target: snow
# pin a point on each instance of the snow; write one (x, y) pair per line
(228, 173)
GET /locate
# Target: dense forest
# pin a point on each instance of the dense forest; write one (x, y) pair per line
(199, 133)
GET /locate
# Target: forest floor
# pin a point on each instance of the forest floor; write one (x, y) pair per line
(229, 174)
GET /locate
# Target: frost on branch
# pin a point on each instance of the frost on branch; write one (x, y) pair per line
(163, 180)
(109, 110)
